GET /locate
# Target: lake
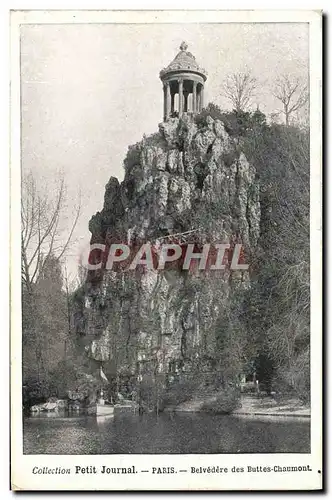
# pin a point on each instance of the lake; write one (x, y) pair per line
(167, 433)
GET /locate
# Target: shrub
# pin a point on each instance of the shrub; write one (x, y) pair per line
(154, 392)
(223, 403)
(151, 391)
(179, 393)
(237, 123)
(294, 381)
(249, 388)
(216, 113)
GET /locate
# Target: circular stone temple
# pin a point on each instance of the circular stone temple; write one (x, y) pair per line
(183, 84)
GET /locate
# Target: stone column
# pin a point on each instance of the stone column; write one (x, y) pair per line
(172, 102)
(185, 108)
(168, 100)
(201, 104)
(180, 97)
(194, 97)
(198, 100)
(165, 102)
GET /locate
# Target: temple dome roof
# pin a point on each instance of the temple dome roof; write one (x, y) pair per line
(183, 61)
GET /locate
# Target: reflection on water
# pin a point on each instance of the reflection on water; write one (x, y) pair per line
(180, 433)
(104, 419)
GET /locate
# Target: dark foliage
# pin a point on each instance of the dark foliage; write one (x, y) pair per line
(237, 123)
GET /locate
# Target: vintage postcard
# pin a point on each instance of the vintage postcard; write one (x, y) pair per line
(166, 297)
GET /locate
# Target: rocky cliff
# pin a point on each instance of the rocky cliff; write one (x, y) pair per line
(183, 178)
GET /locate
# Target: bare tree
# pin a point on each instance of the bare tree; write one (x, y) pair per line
(292, 94)
(69, 284)
(41, 232)
(240, 88)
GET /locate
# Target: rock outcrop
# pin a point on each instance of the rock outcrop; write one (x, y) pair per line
(183, 178)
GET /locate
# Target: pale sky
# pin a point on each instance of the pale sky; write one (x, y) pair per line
(90, 90)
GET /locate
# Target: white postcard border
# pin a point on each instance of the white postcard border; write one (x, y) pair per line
(22, 465)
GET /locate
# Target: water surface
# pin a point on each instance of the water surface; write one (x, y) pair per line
(167, 433)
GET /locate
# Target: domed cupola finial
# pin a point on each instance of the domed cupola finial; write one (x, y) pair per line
(183, 46)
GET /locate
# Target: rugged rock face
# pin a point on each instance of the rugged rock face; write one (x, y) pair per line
(180, 179)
